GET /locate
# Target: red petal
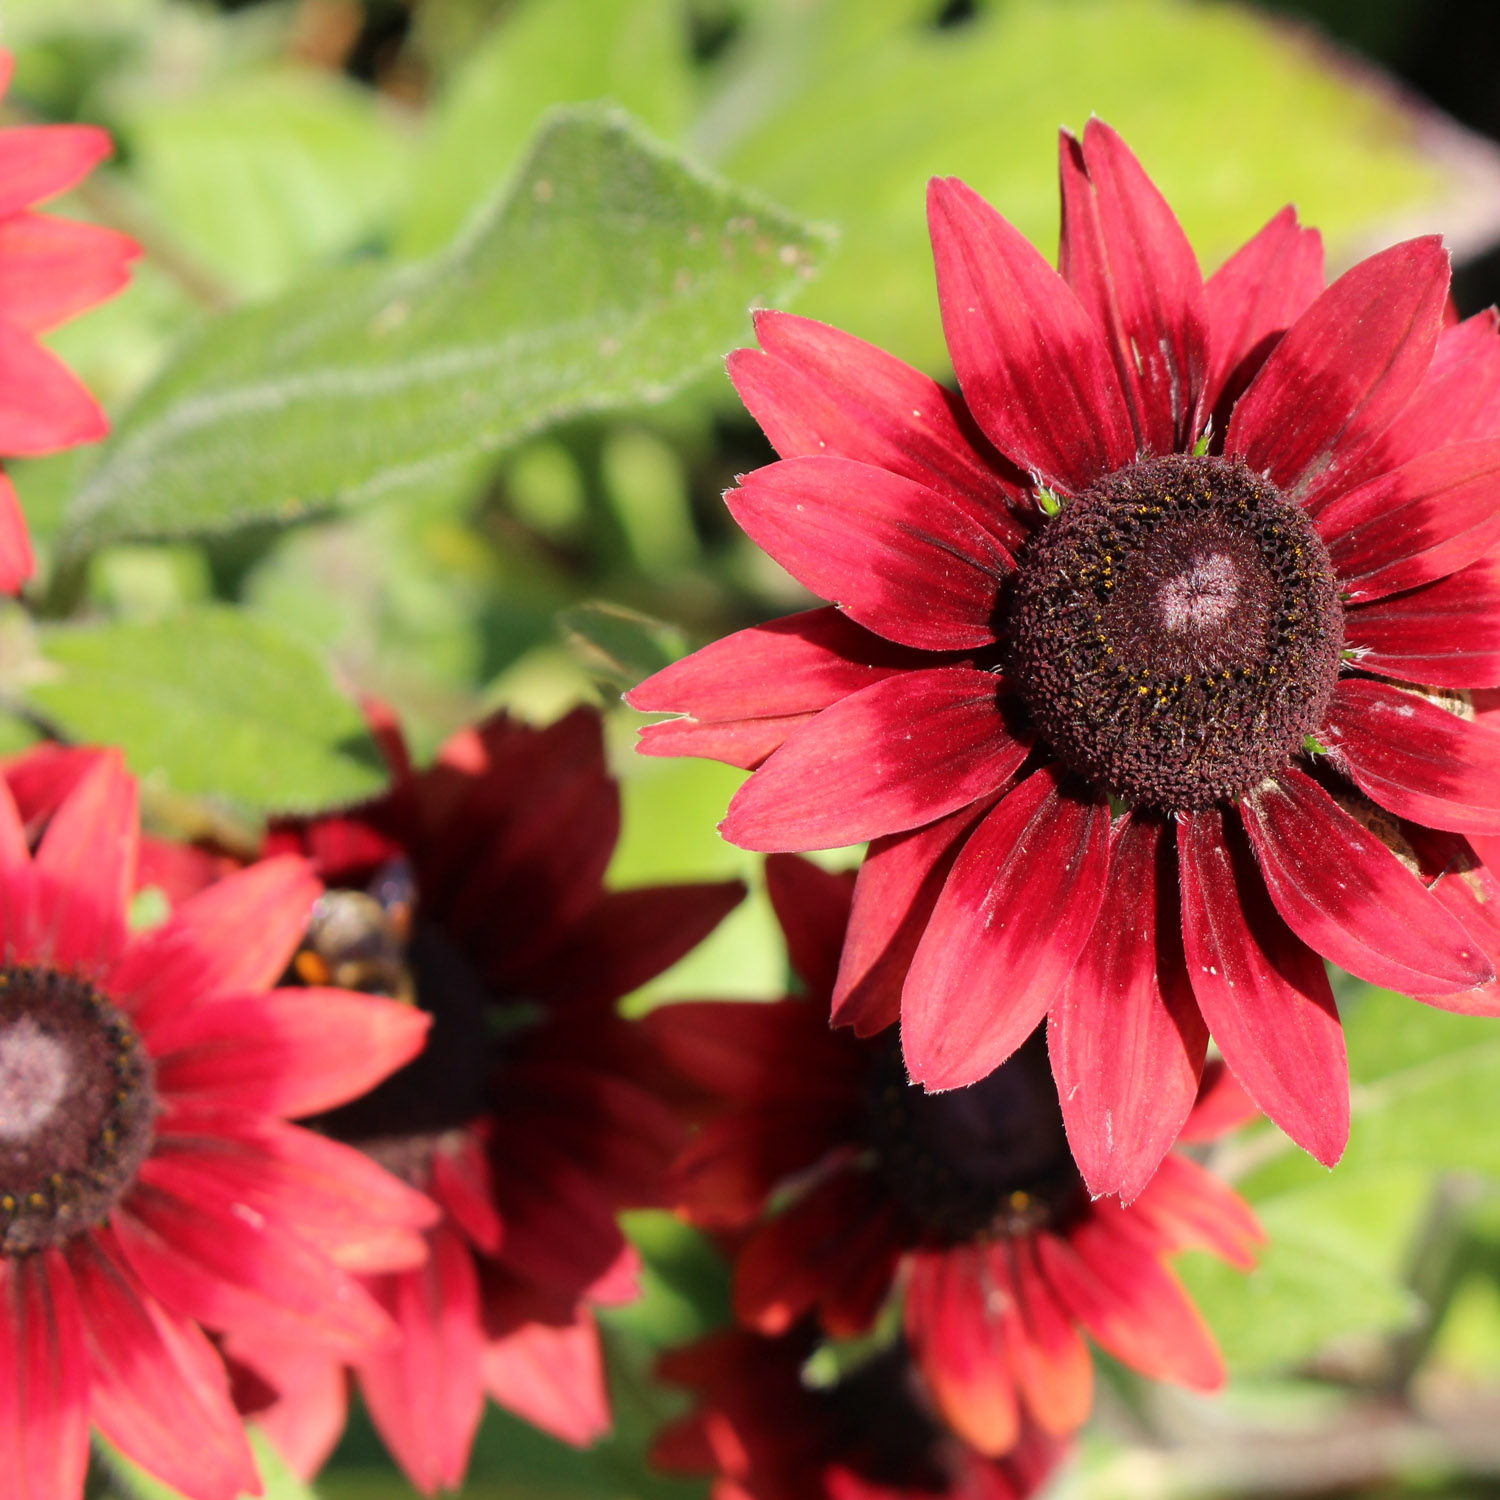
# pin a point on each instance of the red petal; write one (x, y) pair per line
(1263, 992)
(1191, 1209)
(236, 935)
(1349, 898)
(552, 1377)
(289, 1052)
(957, 1341)
(306, 1420)
(225, 1265)
(1415, 759)
(1131, 1303)
(892, 756)
(895, 892)
(1034, 367)
(1343, 371)
(52, 268)
(17, 562)
(917, 567)
(1223, 1105)
(1009, 926)
(745, 743)
(1125, 1037)
(464, 1185)
(812, 906)
(159, 1392)
(424, 1392)
(44, 1381)
(1050, 1360)
(38, 162)
(43, 405)
(1447, 633)
(814, 389)
(85, 867)
(1253, 298)
(1421, 522)
(1125, 255)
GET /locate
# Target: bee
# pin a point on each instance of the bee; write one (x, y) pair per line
(358, 939)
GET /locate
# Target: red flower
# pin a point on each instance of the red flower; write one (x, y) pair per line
(765, 1435)
(1119, 678)
(532, 1117)
(50, 270)
(969, 1200)
(148, 1180)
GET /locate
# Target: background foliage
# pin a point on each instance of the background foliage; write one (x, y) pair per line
(418, 393)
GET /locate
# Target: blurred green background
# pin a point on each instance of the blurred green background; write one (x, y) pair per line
(419, 393)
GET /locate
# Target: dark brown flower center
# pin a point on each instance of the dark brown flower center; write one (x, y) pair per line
(988, 1160)
(77, 1106)
(1176, 631)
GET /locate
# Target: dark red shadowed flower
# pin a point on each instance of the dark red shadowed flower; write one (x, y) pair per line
(50, 270)
(1119, 680)
(149, 1182)
(475, 889)
(968, 1200)
(763, 1434)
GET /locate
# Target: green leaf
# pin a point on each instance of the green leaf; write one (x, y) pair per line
(609, 275)
(619, 647)
(842, 109)
(545, 52)
(213, 702)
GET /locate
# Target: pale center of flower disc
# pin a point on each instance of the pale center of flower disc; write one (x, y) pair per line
(77, 1103)
(1176, 631)
(988, 1160)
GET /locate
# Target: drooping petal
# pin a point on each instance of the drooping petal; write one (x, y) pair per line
(44, 1381)
(234, 936)
(815, 389)
(1222, 1105)
(1109, 1279)
(1415, 759)
(916, 567)
(1125, 1037)
(812, 906)
(17, 561)
(893, 756)
(306, 1420)
(1349, 898)
(1034, 367)
(1446, 633)
(1191, 1209)
(1416, 524)
(38, 162)
(44, 407)
(745, 694)
(85, 867)
(1263, 992)
(958, 1344)
(1125, 255)
(159, 1392)
(1013, 918)
(52, 268)
(465, 1187)
(1253, 298)
(1050, 1361)
(553, 1377)
(1343, 371)
(424, 1390)
(288, 1052)
(898, 885)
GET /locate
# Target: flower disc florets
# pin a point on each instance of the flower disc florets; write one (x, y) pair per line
(1176, 631)
(76, 1107)
(986, 1161)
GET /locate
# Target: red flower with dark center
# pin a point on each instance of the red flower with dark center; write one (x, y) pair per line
(969, 1200)
(763, 1434)
(50, 270)
(476, 889)
(149, 1182)
(1119, 680)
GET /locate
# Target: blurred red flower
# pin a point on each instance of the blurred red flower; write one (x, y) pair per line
(844, 1182)
(1118, 683)
(149, 1182)
(475, 889)
(51, 269)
